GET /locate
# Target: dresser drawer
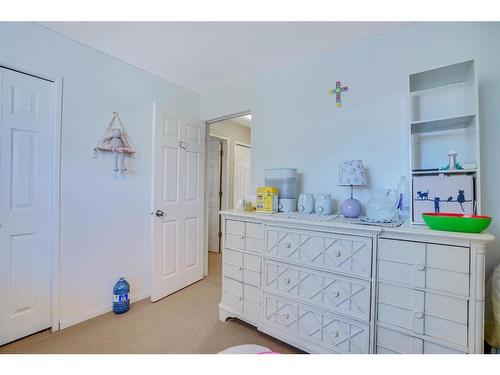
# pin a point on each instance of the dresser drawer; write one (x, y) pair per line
(232, 294)
(233, 287)
(415, 264)
(343, 295)
(330, 252)
(254, 237)
(232, 264)
(424, 313)
(241, 297)
(308, 325)
(235, 227)
(242, 267)
(242, 235)
(233, 241)
(254, 230)
(252, 293)
(251, 269)
(393, 342)
(252, 309)
(252, 302)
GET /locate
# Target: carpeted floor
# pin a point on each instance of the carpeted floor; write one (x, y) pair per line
(184, 322)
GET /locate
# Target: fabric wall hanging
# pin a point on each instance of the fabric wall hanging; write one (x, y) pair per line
(115, 140)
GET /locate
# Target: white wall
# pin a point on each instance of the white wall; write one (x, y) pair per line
(227, 100)
(296, 123)
(105, 221)
(233, 132)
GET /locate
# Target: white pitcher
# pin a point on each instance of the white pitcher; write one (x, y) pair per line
(382, 205)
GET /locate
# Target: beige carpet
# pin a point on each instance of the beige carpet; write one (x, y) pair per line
(185, 322)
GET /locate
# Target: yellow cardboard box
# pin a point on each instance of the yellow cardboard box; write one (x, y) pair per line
(267, 199)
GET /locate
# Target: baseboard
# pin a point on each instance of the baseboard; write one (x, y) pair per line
(99, 310)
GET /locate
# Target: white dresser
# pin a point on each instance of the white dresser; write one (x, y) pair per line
(336, 287)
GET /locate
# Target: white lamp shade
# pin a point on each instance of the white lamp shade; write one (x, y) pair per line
(351, 172)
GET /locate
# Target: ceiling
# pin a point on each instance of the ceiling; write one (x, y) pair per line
(204, 55)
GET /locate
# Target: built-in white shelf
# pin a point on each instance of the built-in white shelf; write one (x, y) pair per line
(444, 117)
(450, 87)
(442, 124)
(442, 77)
(457, 171)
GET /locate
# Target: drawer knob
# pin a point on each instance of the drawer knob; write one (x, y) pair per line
(240, 269)
(241, 298)
(286, 316)
(287, 281)
(242, 236)
(335, 334)
(287, 245)
(420, 267)
(336, 253)
(419, 315)
(336, 293)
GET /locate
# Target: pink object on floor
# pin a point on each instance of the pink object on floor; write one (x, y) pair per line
(248, 349)
(268, 353)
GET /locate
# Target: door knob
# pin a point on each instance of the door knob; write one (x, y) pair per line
(159, 213)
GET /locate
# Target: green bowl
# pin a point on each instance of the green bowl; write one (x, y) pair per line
(456, 222)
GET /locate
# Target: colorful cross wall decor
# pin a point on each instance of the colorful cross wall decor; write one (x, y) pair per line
(337, 91)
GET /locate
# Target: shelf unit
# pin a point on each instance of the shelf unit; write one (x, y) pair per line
(438, 172)
(444, 116)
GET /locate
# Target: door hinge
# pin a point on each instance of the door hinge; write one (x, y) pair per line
(220, 234)
(221, 152)
(220, 194)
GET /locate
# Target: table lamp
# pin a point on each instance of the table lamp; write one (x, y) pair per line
(351, 173)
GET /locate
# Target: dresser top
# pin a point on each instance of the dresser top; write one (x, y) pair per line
(341, 223)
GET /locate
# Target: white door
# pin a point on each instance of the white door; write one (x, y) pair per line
(214, 148)
(178, 202)
(26, 172)
(242, 183)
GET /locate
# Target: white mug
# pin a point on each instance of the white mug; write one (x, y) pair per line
(323, 204)
(306, 203)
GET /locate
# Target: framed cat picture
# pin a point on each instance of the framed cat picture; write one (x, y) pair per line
(442, 194)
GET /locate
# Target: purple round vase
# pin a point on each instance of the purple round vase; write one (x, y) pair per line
(351, 208)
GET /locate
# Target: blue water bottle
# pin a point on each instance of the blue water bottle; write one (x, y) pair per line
(121, 296)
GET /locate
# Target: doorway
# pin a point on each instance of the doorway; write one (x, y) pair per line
(29, 196)
(242, 183)
(217, 184)
(228, 170)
